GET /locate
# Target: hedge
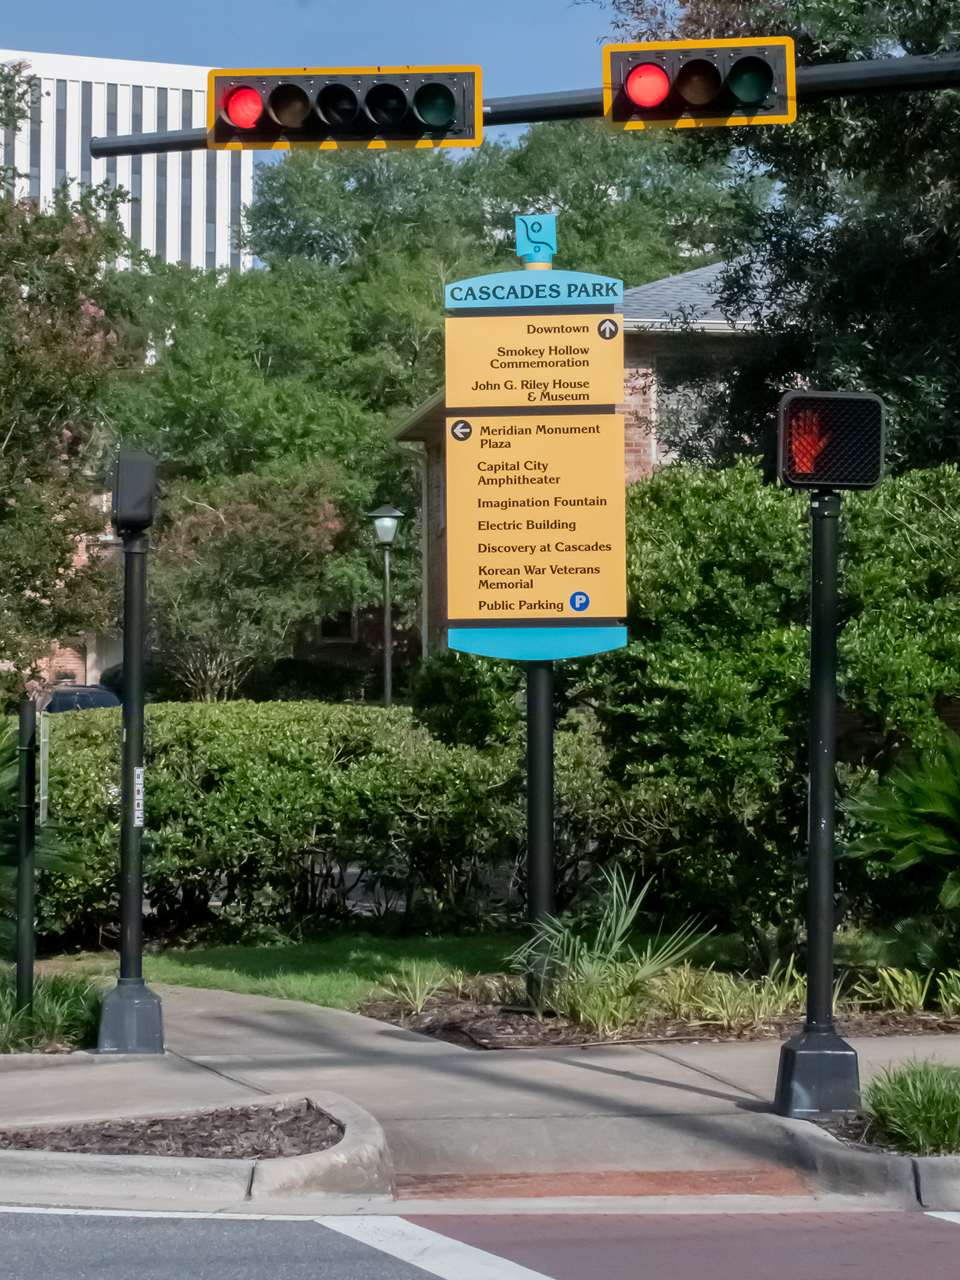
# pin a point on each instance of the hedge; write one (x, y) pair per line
(261, 816)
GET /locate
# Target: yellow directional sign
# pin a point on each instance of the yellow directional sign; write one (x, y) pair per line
(535, 518)
(536, 545)
(541, 360)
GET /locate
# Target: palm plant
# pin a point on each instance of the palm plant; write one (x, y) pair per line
(914, 817)
(595, 976)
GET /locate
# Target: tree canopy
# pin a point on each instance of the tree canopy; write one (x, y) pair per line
(850, 274)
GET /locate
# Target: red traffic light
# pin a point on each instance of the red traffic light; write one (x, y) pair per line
(831, 440)
(243, 107)
(647, 85)
(690, 83)
(362, 106)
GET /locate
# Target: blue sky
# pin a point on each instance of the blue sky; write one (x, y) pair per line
(524, 46)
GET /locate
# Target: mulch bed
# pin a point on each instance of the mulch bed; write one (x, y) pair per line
(233, 1133)
(489, 1026)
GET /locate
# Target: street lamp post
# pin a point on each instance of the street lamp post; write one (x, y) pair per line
(385, 520)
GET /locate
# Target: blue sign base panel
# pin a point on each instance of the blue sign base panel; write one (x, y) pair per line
(536, 644)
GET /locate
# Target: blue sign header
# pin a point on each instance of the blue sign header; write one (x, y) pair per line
(534, 289)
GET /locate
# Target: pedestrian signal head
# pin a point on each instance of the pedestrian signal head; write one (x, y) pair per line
(134, 485)
(345, 106)
(695, 83)
(831, 440)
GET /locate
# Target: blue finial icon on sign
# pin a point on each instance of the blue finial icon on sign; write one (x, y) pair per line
(536, 236)
(579, 601)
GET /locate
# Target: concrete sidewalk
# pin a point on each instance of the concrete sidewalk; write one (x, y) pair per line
(687, 1119)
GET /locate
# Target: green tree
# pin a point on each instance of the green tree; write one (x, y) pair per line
(57, 348)
(244, 561)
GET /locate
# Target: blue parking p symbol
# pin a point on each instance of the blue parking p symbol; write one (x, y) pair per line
(579, 601)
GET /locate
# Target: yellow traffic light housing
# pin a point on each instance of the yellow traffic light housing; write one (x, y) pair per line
(329, 107)
(691, 84)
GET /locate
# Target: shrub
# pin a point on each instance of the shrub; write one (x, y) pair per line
(264, 815)
(65, 1015)
(916, 1108)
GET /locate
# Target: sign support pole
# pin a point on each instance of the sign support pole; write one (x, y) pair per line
(540, 868)
(132, 1020)
(818, 1070)
(26, 839)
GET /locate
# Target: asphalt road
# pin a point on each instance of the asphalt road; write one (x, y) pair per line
(830, 1246)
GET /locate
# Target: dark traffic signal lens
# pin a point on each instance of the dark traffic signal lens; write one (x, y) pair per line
(386, 105)
(338, 105)
(698, 82)
(435, 106)
(647, 85)
(289, 105)
(750, 80)
(244, 107)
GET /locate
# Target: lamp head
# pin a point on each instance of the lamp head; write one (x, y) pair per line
(385, 520)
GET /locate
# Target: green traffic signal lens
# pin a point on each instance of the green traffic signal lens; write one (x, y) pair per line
(337, 105)
(435, 106)
(289, 105)
(386, 105)
(698, 82)
(750, 80)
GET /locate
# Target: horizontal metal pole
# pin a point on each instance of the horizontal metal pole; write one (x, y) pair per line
(147, 144)
(883, 75)
(830, 80)
(534, 108)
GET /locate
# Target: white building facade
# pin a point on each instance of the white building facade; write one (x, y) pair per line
(186, 206)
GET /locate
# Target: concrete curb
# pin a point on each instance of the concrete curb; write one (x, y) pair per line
(933, 1182)
(360, 1164)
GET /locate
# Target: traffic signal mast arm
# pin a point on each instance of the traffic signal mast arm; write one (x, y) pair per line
(829, 80)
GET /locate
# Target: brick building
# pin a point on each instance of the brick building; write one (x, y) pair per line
(666, 321)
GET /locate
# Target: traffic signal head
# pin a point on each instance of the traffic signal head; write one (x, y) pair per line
(695, 83)
(831, 440)
(345, 106)
(134, 483)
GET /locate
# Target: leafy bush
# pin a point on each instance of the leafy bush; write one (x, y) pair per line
(463, 699)
(263, 816)
(704, 713)
(916, 1108)
(65, 1015)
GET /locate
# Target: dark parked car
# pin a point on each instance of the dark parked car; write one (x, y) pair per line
(81, 697)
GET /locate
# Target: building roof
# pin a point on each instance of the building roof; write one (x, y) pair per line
(680, 303)
(685, 303)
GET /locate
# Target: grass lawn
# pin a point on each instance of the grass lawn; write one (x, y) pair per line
(341, 972)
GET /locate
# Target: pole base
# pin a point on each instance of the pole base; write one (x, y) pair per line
(132, 1020)
(818, 1077)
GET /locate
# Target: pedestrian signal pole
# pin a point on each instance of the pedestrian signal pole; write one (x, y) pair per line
(132, 1021)
(26, 837)
(828, 442)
